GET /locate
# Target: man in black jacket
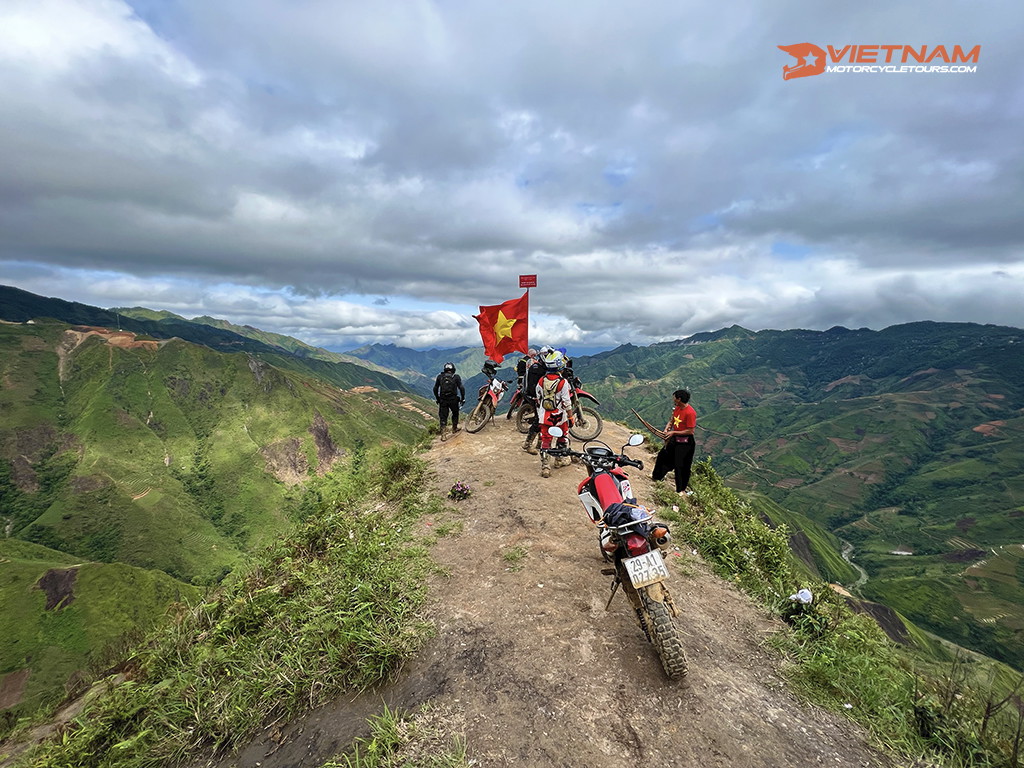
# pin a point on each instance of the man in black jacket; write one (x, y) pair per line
(449, 393)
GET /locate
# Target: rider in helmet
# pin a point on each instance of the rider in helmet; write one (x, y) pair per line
(554, 406)
(449, 393)
(534, 371)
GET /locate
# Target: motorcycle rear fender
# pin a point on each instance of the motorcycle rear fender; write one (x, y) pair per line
(587, 395)
(658, 592)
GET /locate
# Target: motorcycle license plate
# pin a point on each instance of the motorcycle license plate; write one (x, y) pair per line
(646, 569)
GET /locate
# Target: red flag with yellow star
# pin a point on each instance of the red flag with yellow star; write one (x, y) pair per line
(504, 328)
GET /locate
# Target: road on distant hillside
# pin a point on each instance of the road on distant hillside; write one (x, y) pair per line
(532, 670)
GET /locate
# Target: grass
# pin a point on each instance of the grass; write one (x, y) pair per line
(946, 713)
(428, 738)
(329, 608)
(514, 556)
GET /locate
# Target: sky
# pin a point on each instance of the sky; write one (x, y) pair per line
(351, 172)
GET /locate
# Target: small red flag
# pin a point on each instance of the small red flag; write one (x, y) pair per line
(504, 327)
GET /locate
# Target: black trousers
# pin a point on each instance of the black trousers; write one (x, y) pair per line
(677, 456)
(444, 407)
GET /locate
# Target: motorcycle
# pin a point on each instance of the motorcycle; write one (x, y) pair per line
(633, 542)
(586, 422)
(488, 398)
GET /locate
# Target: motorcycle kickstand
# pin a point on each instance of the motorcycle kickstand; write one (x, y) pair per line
(615, 586)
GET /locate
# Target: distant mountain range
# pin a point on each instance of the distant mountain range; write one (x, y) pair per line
(158, 451)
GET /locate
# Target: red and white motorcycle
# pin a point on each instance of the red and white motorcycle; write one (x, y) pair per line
(488, 398)
(633, 543)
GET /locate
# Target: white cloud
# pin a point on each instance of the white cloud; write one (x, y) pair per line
(647, 162)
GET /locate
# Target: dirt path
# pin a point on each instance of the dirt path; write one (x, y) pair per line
(536, 672)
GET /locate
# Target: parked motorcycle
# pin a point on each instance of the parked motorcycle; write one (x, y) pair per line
(488, 398)
(633, 542)
(515, 404)
(587, 422)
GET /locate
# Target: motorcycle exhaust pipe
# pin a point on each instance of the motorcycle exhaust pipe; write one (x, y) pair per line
(661, 536)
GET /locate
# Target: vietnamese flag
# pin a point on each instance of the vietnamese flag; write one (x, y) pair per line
(504, 328)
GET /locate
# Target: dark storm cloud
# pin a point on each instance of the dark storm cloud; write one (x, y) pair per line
(649, 163)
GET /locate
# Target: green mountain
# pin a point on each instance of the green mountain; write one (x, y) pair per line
(907, 443)
(280, 341)
(61, 615)
(420, 367)
(21, 306)
(151, 465)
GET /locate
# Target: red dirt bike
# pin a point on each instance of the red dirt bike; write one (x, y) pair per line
(586, 422)
(487, 400)
(631, 540)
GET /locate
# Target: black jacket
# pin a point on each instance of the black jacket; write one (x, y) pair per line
(461, 396)
(533, 374)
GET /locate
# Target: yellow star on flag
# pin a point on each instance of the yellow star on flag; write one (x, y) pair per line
(503, 328)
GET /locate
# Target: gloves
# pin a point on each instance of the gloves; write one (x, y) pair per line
(462, 402)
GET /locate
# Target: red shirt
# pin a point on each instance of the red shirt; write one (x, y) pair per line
(683, 417)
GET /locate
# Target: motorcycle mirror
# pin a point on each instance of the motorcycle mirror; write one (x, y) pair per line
(555, 431)
(635, 439)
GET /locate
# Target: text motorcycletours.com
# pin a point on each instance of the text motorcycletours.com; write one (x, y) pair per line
(900, 68)
(811, 59)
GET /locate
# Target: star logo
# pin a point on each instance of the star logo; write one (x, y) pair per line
(503, 328)
(676, 421)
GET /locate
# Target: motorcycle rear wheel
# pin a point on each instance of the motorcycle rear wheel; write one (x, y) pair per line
(525, 417)
(664, 636)
(480, 416)
(588, 423)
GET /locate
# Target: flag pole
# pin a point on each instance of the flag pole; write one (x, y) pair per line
(528, 282)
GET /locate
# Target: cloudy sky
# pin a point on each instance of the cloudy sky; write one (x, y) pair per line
(352, 172)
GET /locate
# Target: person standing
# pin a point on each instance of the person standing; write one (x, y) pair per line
(554, 406)
(679, 443)
(534, 373)
(524, 365)
(450, 394)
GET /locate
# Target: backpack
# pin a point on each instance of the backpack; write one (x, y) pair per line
(448, 389)
(549, 394)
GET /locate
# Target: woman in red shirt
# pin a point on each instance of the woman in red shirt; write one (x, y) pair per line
(679, 443)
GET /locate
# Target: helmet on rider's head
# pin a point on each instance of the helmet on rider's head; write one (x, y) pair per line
(554, 360)
(544, 350)
(449, 367)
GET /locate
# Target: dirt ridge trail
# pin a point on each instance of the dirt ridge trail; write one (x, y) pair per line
(537, 673)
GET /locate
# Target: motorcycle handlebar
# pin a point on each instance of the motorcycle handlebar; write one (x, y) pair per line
(622, 461)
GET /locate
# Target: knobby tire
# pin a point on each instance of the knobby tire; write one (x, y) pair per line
(525, 418)
(480, 416)
(588, 424)
(665, 637)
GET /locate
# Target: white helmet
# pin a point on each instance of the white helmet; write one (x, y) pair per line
(554, 360)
